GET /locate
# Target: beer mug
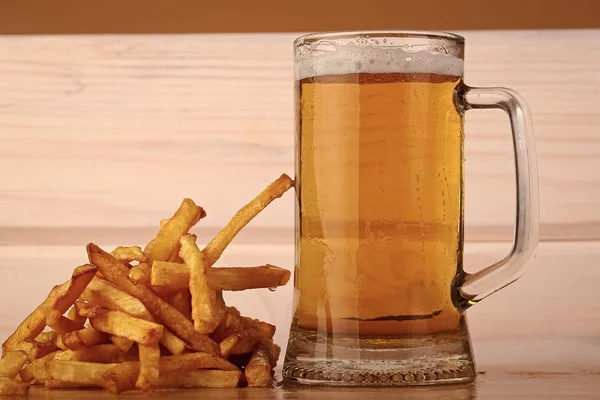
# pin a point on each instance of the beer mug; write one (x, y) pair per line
(380, 291)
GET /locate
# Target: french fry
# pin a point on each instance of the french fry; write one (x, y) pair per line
(54, 384)
(182, 301)
(265, 330)
(259, 370)
(149, 367)
(139, 273)
(48, 337)
(127, 254)
(122, 343)
(166, 243)
(208, 308)
(232, 322)
(276, 189)
(62, 324)
(74, 316)
(121, 324)
(35, 350)
(38, 369)
(60, 344)
(11, 363)
(84, 373)
(83, 337)
(108, 296)
(201, 379)
(243, 278)
(123, 376)
(170, 276)
(60, 299)
(102, 353)
(116, 273)
(239, 342)
(10, 387)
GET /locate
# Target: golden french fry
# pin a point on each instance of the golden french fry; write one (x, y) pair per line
(83, 337)
(265, 330)
(35, 350)
(127, 254)
(166, 243)
(62, 324)
(182, 301)
(11, 363)
(60, 344)
(74, 316)
(54, 384)
(121, 324)
(239, 342)
(85, 373)
(122, 343)
(243, 278)
(139, 273)
(123, 376)
(116, 273)
(48, 337)
(192, 361)
(201, 379)
(232, 322)
(259, 371)
(38, 369)
(10, 387)
(208, 308)
(276, 189)
(102, 353)
(108, 296)
(170, 276)
(60, 299)
(149, 367)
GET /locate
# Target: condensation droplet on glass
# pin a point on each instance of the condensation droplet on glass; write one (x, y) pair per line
(408, 59)
(443, 194)
(272, 289)
(384, 40)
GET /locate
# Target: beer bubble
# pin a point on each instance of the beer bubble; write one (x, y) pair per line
(360, 55)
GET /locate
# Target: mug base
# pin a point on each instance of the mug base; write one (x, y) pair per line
(436, 359)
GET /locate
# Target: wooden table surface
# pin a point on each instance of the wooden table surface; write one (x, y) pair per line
(101, 137)
(507, 369)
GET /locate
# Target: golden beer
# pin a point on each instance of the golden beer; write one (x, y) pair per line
(380, 204)
(379, 289)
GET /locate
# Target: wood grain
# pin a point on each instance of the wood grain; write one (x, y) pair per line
(110, 132)
(553, 300)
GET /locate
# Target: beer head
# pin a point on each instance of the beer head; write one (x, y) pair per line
(373, 54)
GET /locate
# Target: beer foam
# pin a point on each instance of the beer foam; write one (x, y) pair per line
(328, 58)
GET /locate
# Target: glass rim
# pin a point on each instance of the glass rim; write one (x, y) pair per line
(379, 33)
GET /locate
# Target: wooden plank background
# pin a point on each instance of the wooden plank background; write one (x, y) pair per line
(101, 137)
(225, 16)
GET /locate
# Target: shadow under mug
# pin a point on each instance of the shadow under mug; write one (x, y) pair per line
(380, 292)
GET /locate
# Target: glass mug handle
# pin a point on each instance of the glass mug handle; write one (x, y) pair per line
(481, 284)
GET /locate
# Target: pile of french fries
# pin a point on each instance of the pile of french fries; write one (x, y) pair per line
(150, 319)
